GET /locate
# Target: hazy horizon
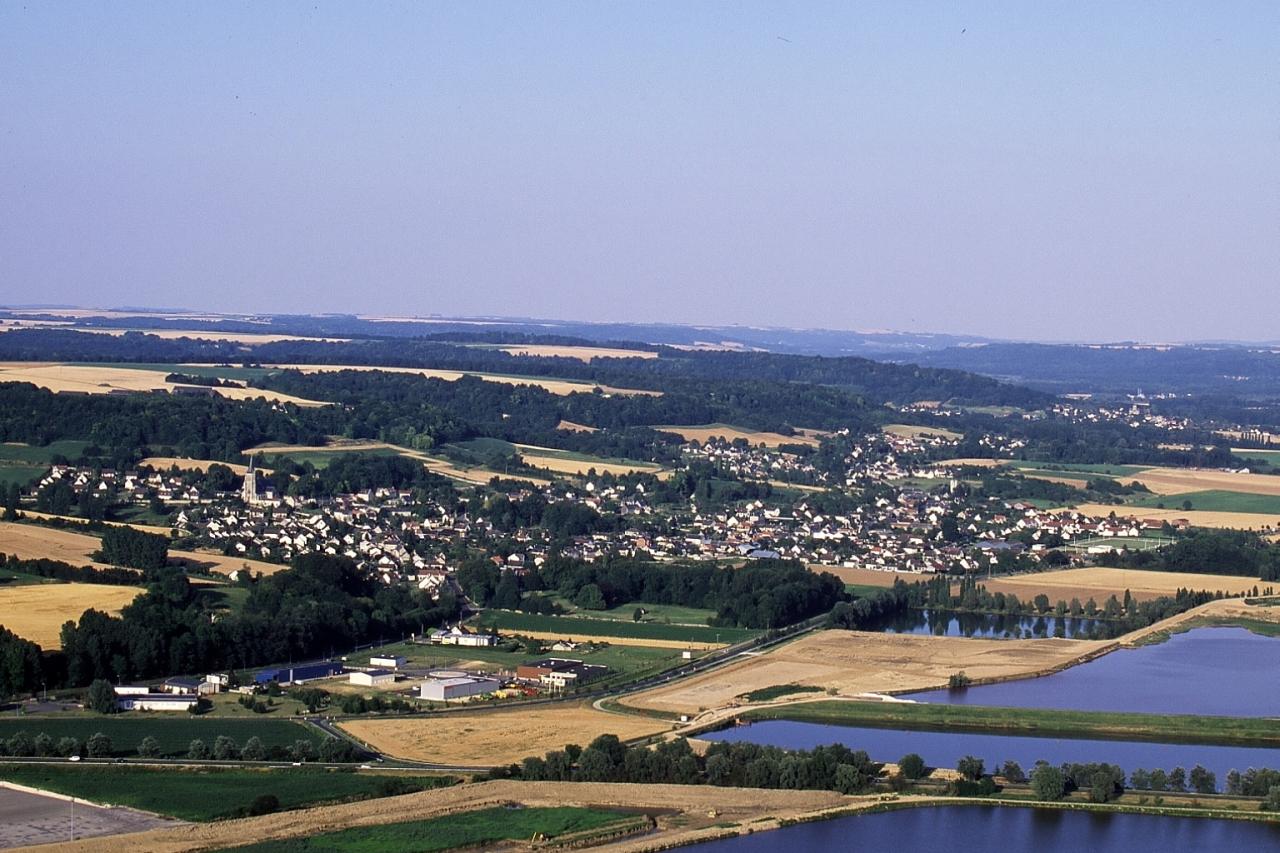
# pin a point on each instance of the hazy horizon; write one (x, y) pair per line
(1073, 172)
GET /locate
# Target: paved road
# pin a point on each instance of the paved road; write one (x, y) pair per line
(27, 818)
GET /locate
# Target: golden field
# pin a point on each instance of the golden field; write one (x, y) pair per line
(164, 463)
(852, 662)
(1195, 517)
(754, 437)
(913, 431)
(29, 542)
(1100, 582)
(1176, 481)
(485, 738)
(560, 463)
(91, 379)
(37, 612)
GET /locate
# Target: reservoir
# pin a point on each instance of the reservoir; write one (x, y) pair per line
(944, 749)
(1215, 671)
(981, 829)
(950, 623)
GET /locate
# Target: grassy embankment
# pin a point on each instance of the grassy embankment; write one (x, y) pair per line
(211, 793)
(174, 735)
(1233, 731)
(468, 829)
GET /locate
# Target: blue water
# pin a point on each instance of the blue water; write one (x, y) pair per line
(944, 749)
(1226, 672)
(948, 623)
(983, 829)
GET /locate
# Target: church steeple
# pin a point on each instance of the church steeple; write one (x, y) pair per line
(249, 491)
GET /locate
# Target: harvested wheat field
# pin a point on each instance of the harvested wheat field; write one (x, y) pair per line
(91, 379)
(581, 353)
(487, 738)
(555, 386)
(570, 426)
(208, 335)
(971, 462)
(75, 521)
(754, 437)
(684, 813)
(1098, 583)
(222, 564)
(852, 662)
(1176, 481)
(36, 612)
(867, 577)
(1194, 517)
(164, 463)
(564, 463)
(29, 542)
(914, 431)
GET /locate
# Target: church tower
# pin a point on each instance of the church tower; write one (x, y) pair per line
(249, 491)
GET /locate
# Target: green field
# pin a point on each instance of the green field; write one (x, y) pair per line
(174, 734)
(672, 614)
(1215, 500)
(570, 625)
(468, 829)
(41, 454)
(210, 793)
(1270, 456)
(1164, 728)
(317, 458)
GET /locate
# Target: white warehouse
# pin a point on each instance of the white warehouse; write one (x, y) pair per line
(459, 687)
(373, 678)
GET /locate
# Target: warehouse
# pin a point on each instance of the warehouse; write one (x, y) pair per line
(458, 687)
(374, 678)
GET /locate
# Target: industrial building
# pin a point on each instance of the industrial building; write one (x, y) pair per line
(373, 678)
(457, 687)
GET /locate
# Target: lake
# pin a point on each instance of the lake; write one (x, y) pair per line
(1228, 672)
(944, 749)
(950, 623)
(981, 829)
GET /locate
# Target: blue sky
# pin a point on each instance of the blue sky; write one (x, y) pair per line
(1053, 170)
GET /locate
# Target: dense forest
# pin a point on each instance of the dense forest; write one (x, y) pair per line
(1216, 552)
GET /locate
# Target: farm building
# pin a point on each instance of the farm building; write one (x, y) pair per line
(387, 661)
(373, 678)
(459, 635)
(559, 672)
(139, 699)
(458, 687)
(300, 673)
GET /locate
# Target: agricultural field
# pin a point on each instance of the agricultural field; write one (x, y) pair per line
(570, 426)
(914, 431)
(95, 379)
(25, 464)
(1219, 501)
(493, 737)
(671, 614)
(209, 793)
(165, 463)
(611, 630)
(321, 456)
(555, 386)
(1269, 456)
(208, 562)
(1088, 470)
(853, 662)
(1179, 481)
(568, 462)
(1099, 583)
(33, 542)
(482, 827)
(1195, 517)
(685, 813)
(866, 577)
(36, 612)
(754, 437)
(581, 353)
(174, 733)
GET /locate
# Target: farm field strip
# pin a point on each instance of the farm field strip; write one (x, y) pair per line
(581, 353)
(610, 629)
(1195, 517)
(913, 431)
(94, 379)
(1099, 582)
(756, 437)
(555, 386)
(173, 733)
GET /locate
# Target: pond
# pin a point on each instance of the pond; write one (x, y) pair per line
(950, 623)
(945, 749)
(1215, 671)
(981, 829)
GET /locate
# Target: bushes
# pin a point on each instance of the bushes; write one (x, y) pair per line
(126, 546)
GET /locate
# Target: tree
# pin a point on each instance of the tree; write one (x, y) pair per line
(102, 697)
(68, 746)
(264, 804)
(253, 750)
(225, 749)
(149, 747)
(911, 766)
(1203, 781)
(335, 750)
(1272, 802)
(971, 768)
(591, 598)
(43, 744)
(1012, 771)
(637, 614)
(99, 746)
(1178, 780)
(302, 750)
(198, 750)
(1047, 782)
